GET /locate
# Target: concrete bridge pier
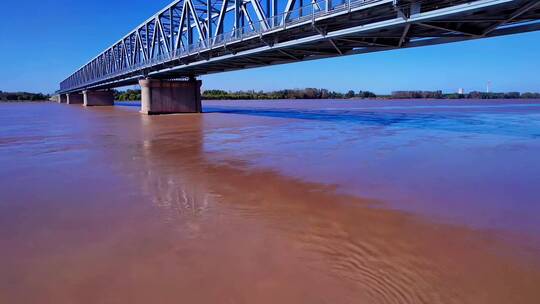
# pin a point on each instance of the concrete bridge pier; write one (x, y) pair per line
(74, 98)
(62, 98)
(170, 96)
(98, 98)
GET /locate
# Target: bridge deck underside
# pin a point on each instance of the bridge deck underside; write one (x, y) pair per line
(379, 28)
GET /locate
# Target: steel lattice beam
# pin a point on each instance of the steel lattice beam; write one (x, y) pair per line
(193, 37)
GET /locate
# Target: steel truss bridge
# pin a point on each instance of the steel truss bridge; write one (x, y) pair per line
(189, 38)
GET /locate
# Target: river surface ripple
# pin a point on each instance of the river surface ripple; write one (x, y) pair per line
(271, 202)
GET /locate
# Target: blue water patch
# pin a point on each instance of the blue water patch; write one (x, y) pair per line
(518, 123)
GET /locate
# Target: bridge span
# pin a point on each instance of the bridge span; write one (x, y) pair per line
(189, 38)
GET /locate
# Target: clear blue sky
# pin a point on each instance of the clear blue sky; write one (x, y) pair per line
(42, 42)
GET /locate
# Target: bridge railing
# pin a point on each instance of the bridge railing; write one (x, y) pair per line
(311, 11)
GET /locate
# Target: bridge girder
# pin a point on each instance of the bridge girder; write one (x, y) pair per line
(196, 37)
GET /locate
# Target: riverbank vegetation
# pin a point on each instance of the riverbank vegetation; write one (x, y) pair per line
(313, 93)
(23, 96)
(471, 95)
(129, 95)
(307, 93)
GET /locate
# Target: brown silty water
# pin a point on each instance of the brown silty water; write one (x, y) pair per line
(104, 205)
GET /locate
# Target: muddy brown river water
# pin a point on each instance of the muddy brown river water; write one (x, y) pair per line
(271, 202)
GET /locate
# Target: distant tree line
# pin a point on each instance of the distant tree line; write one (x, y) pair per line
(471, 95)
(417, 94)
(129, 95)
(314, 93)
(307, 93)
(22, 96)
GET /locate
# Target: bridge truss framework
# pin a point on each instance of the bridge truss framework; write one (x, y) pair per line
(189, 38)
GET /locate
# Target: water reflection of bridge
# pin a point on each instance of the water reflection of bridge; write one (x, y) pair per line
(297, 233)
(171, 178)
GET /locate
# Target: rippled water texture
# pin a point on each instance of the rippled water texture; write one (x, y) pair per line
(271, 202)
